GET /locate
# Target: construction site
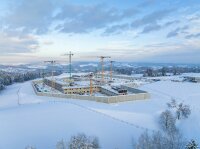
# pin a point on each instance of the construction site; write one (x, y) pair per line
(101, 86)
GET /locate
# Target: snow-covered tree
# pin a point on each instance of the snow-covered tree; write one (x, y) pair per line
(61, 145)
(30, 147)
(175, 140)
(1, 85)
(163, 71)
(81, 141)
(144, 141)
(158, 140)
(154, 141)
(182, 111)
(192, 145)
(167, 122)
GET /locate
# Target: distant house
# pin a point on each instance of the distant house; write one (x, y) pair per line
(195, 79)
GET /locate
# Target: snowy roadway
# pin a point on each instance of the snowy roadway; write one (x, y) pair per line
(43, 121)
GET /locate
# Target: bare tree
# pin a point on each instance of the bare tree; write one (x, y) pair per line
(182, 111)
(167, 122)
(157, 140)
(61, 145)
(144, 141)
(175, 140)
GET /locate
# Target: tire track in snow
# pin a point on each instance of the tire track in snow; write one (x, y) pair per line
(18, 96)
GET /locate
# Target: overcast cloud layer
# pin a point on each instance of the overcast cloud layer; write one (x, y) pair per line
(141, 30)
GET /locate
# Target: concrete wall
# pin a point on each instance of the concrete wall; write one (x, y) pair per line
(104, 99)
(132, 97)
(55, 85)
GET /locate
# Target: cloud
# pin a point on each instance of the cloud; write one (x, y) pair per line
(82, 19)
(13, 44)
(177, 31)
(194, 17)
(152, 22)
(171, 23)
(151, 27)
(172, 34)
(116, 29)
(130, 12)
(186, 55)
(146, 3)
(48, 43)
(193, 36)
(156, 27)
(151, 18)
(168, 52)
(39, 16)
(31, 17)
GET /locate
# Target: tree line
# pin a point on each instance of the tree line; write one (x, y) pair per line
(8, 78)
(155, 72)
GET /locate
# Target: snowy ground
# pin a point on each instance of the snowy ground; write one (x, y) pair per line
(43, 121)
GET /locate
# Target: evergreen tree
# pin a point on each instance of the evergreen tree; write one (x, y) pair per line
(192, 145)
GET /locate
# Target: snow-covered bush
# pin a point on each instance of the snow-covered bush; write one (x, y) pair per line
(167, 122)
(158, 140)
(182, 111)
(81, 141)
(192, 145)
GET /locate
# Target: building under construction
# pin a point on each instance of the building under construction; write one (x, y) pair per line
(70, 88)
(81, 85)
(102, 88)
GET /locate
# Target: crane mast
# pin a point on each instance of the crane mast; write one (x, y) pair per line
(102, 66)
(70, 54)
(52, 74)
(111, 68)
(91, 85)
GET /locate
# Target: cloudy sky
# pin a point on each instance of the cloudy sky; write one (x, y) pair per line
(127, 30)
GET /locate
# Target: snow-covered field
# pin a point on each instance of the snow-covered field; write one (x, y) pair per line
(43, 121)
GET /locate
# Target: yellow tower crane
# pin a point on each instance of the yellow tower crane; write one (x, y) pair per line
(102, 66)
(70, 54)
(91, 85)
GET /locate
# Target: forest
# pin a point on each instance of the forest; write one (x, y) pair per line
(8, 78)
